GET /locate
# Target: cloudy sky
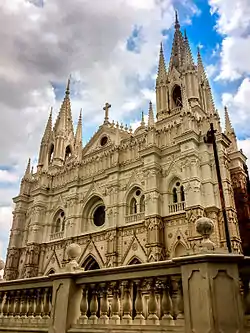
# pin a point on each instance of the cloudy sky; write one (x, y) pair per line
(110, 48)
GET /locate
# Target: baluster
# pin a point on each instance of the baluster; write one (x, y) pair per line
(33, 303)
(115, 306)
(93, 306)
(11, 304)
(17, 304)
(5, 306)
(139, 318)
(84, 307)
(167, 306)
(180, 302)
(30, 303)
(38, 311)
(177, 299)
(174, 284)
(23, 304)
(152, 305)
(127, 304)
(104, 319)
(46, 303)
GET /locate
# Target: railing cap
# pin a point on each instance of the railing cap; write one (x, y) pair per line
(209, 257)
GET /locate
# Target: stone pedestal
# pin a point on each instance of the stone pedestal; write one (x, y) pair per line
(211, 293)
(65, 303)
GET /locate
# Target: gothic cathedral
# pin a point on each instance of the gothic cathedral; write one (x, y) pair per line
(131, 197)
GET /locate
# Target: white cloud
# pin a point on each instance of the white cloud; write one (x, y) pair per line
(211, 70)
(234, 24)
(238, 105)
(8, 177)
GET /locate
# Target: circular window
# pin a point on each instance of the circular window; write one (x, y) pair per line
(104, 140)
(138, 192)
(178, 184)
(99, 216)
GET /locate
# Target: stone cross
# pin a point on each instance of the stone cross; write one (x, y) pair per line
(106, 109)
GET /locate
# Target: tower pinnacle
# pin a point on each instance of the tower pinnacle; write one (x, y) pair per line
(161, 67)
(48, 128)
(151, 121)
(142, 119)
(27, 171)
(78, 137)
(228, 126)
(177, 24)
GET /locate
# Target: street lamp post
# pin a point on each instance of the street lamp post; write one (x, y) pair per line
(210, 139)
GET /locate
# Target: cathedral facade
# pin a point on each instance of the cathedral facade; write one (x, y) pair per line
(130, 197)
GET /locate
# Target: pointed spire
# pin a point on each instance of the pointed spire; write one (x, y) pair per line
(228, 126)
(27, 171)
(229, 131)
(151, 121)
(48, 128)
(161, 67)
(177, 24)
(78, 137)
(142, 119)
(178, 47)
(188, 59)
(200, 67)
(67, 92)
(64, 120)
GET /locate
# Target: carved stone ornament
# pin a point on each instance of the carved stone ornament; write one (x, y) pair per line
(73, 251)
(205, 227)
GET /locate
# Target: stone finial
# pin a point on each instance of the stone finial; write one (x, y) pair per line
(73, 251)
(205, 227)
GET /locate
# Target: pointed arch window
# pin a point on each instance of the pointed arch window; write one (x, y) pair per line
(58, 226)
(68, 152)
(177, 98)
(182, 193)
(142, 204)
(51, 153)
(176, 197)
(135, 205)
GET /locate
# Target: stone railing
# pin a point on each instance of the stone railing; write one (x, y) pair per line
(134, 295)
(193, 293)
(57, 235)
(135, 217)
(26, 304)
(176, 207)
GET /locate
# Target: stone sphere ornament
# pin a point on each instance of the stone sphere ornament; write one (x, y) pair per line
(205, 227)
(73, 251)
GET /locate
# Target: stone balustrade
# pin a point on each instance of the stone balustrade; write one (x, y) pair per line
(135, 217)
(26, 304)
(56, 235)
(193, 293)
(176, 207)
(152, 297)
